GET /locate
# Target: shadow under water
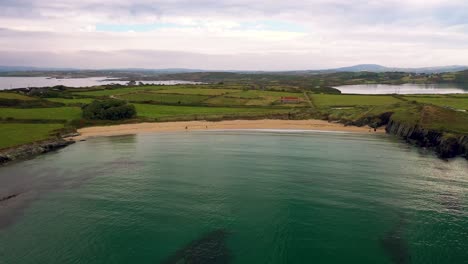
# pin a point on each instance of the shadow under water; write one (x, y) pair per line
(394, 243)
(211, 248)
(22, 187)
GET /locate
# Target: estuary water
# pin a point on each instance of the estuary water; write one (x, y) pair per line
(402, 89)
(235, 197)
(7, 83)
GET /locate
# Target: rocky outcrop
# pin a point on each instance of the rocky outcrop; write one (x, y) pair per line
(446, 145)
(30, 150)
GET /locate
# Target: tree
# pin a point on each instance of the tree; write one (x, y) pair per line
(109, 110)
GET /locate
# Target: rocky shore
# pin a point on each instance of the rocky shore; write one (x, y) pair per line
(31, 150)
(446, 145)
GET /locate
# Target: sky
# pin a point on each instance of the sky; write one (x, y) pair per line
(233, 35)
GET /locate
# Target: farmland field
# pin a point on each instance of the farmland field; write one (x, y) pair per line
(16, 96)
(71, 101)
(56, 113)
(460, 102)
(158, 111)
(13, 134)
(328, 100)
(163, 98)
(198, 91)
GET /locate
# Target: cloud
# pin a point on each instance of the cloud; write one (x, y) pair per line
(246, 34)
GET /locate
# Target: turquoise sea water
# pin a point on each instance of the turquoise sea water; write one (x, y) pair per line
(235, 197)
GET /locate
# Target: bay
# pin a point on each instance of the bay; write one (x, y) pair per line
(235, 197)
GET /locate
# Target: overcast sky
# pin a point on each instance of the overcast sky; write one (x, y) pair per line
(233, 34)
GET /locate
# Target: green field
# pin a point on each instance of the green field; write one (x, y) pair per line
(458, 102)
(71, 101)
(329, 100)
(15, 96)
(255, 98)
(159, 111)
(17, 134)
(163, 98)
(117, 91)
(56, 113)
(198, 91)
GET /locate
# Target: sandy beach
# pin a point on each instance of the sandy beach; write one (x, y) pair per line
(129, 129)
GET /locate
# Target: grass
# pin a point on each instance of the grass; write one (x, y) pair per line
(163, 98)
(227, 101)
(71, 101)
(328, 100)
(117, 91)
(159, 111)
(458, 102)
(56, 113)
(442, 119)
(175, 89)
(17, 134)
(265, 94)
(198, 91)
(15, 96)
(254, 98)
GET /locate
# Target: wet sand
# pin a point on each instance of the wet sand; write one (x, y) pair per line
(129, 129)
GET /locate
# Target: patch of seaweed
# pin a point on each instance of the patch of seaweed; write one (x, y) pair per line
(8, 197)
(211, 248)
(394, 243)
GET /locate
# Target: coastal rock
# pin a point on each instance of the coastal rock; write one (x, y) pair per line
(30, 150)
(446, 145)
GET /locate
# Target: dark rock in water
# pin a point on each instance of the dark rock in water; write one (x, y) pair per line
(27, 151)
(395, 245)
(211, 248)
(2, 199)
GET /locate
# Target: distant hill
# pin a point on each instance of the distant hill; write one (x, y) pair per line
(355, 68)
(165, 71)
(380, 68)
(363, 67)
(26, 68)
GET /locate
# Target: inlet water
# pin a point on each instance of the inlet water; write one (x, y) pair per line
(235, 197)
(7, 83)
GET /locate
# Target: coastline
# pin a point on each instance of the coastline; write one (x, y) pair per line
(129, 129)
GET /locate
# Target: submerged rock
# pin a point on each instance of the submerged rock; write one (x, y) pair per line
(2, 199)
(395, 245)
(211, 248)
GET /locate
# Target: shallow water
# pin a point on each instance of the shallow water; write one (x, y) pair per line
(402, 89)
(235, 197)
(7, 83)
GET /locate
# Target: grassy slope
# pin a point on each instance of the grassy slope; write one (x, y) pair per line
(458, 102)
(328, 100)
(71, 101)
(15, 96)
(18, 134)
(56, 113)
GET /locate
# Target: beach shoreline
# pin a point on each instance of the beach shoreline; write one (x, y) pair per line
(130, 129)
